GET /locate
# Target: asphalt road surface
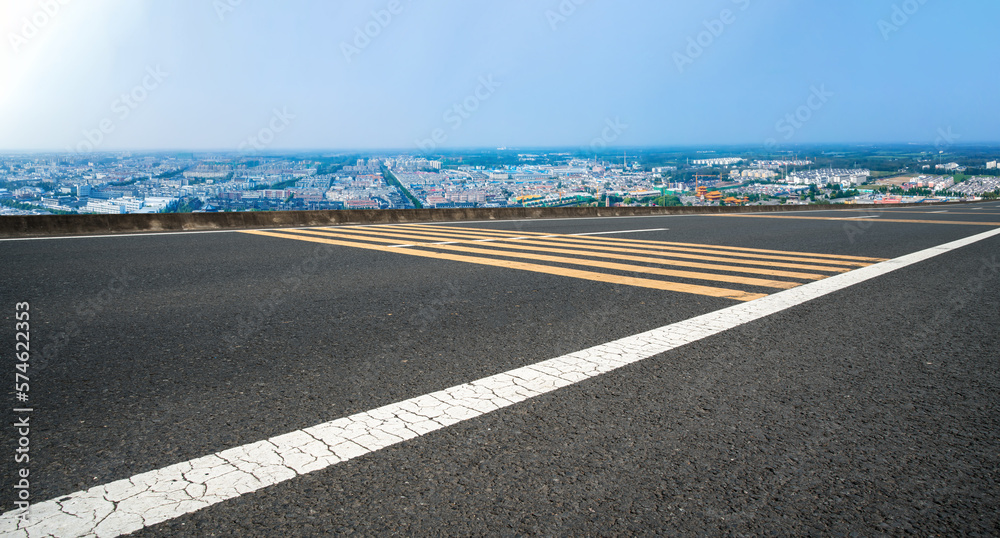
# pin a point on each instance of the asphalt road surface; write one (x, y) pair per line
(866, 408)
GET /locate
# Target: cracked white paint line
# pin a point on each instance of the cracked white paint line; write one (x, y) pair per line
(149, 498)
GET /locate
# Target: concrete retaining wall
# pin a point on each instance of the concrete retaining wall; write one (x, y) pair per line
(59, 225)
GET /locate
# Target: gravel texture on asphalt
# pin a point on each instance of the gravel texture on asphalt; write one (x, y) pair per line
(869, 411)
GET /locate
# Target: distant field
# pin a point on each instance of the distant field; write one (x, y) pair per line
(896, 181)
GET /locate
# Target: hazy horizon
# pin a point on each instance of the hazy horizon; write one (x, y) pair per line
(694, 148)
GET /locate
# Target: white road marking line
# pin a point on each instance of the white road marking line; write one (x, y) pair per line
(458, 242)
(864, 217)
(156, 496)
(625, 231)
(944, 211)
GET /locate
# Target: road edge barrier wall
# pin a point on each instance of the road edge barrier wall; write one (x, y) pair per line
(17, 226)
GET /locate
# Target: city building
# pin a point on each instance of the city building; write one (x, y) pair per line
(829, 176)
(753, 173)
(723, 161)
(361, 204)
(207, 171)
(103, 207)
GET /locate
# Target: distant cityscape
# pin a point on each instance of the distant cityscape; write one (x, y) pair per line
(127, 182)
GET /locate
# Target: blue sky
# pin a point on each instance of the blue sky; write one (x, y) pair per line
(297, 75)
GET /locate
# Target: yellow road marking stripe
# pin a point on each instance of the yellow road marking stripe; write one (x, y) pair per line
(459, 237)
(855, 219)
(490, 231)
(749, 281)
(690, 256)
(548, 242)
(837, 257)
(658, 261)
(889, 211)
(735, 255)
(419, 228)
(546, 269)
(638, 242)
(587, 241)
(867, 259)
(663, 261)
(780, 284)
(390, 239)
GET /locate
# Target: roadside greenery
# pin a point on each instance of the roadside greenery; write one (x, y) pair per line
(189, 205)
(391, 180)
(29, 207)
(277, 186)
(168, 175)
(669, 200)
